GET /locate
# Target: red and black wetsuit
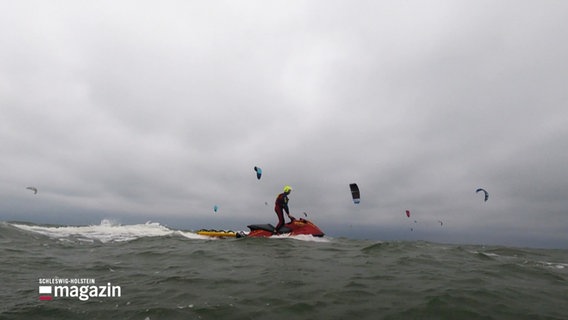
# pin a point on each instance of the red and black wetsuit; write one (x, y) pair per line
(280, 206)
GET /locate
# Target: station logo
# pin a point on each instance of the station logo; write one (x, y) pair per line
(81, 289)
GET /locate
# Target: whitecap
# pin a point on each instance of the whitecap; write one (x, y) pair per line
(107, 231)
(192, 235)
(300, 237)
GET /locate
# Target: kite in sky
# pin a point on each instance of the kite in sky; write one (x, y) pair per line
(355, 193)
(34, 189)
(484, 191)
(258, 172)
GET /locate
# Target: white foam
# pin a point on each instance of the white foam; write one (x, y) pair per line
(300, 237)
(556, 265)
(107, 231)
(489, 254)
(308, 237)
(191, 235)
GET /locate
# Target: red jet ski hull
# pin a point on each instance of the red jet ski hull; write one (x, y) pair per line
(296, 227)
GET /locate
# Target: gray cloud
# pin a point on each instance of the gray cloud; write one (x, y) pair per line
(142, 110)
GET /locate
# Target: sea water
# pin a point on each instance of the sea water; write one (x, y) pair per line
(163, 273)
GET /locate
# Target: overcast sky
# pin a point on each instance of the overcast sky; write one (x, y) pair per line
(159, 110)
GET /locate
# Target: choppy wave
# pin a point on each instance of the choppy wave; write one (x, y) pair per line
(173, 274)
(107, 231)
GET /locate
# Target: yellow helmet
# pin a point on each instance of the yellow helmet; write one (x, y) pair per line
(287, 189)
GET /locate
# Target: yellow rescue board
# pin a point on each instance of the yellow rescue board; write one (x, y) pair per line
(217, 233)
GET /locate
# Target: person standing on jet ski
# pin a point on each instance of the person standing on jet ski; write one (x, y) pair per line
(281, 206)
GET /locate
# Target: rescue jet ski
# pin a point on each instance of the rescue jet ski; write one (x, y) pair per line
(293, 228)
